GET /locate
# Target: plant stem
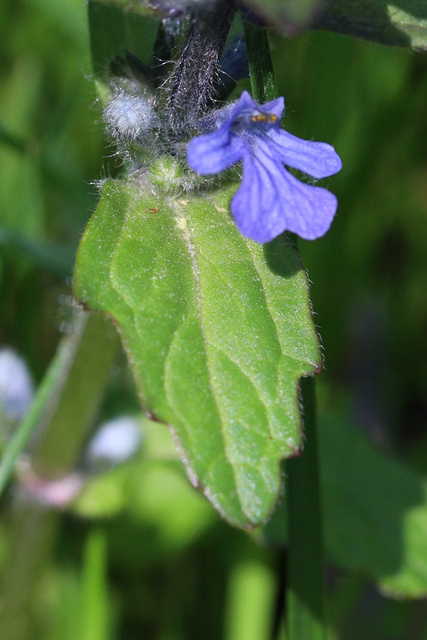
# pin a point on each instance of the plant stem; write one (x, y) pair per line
(60, 417)
(66, 400)
(28, 426)
(69, 418)
(192, 80)
(305, 580)
(31, 529)
(305, 595)
(261, 70)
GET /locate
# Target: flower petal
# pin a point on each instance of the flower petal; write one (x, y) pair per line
(214, 152)
(214, 120)
(270, 200)
(244, 103)
(312, 209)
(317, 159)
(255, 206)
(276, 106)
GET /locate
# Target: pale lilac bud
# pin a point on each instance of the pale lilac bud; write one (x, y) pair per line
(16, 385)
(116, 441)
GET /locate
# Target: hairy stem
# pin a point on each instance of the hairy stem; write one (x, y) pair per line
(191, 83)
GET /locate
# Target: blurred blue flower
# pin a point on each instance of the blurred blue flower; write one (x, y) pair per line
(270, 200)
(16, 385)
(116, 441)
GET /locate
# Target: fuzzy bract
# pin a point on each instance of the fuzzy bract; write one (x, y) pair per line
(129, 116)
(270, 200)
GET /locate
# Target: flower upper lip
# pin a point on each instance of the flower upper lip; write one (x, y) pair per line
(270, 200)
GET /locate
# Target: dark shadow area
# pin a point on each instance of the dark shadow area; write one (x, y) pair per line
(281, 257)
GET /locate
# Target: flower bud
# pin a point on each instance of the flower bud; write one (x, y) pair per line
(130, 116)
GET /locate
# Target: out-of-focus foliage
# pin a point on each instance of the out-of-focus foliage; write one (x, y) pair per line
(50, 150)
(401, 23)
(163, 565)
(374, 510)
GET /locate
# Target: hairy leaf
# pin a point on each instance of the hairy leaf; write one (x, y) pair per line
(218, 330)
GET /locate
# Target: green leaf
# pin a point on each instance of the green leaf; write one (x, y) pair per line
(287, 13)
(291, 12)
(401, 23)
(375, 512)
(218, 330)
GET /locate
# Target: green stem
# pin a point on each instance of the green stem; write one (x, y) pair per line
(66, 400)
(263, 82)
(71, 413)
(305, 595)
(27, 427)
(60, 417)
(305, 579)
(31, 530)
(96, 623)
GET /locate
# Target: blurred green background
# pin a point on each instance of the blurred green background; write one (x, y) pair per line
(141, 554)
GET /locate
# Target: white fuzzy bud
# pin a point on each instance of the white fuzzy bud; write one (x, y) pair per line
(130, 116)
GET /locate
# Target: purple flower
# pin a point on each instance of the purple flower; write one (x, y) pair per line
(270, 200)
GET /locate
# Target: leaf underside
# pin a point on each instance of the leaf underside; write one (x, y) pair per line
(218, 331)
(397, 23)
